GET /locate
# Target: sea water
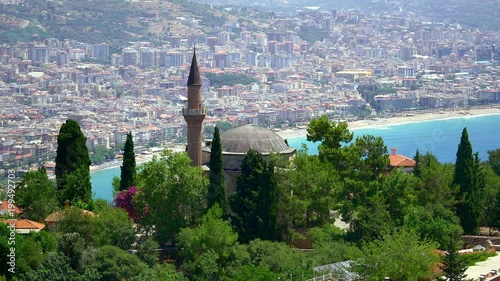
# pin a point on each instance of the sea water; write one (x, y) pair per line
(440, 137)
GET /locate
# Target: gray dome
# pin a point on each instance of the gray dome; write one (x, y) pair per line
(242, 138)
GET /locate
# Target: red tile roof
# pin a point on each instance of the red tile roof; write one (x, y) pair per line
(4, 206)
(25, 224)
(398, 160)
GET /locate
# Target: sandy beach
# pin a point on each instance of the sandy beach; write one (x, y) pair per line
(411, 118)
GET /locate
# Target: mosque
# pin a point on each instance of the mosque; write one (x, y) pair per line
(235, 142)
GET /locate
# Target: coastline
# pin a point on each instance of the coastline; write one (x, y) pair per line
(381, 122)
(138, 160)
(360, 124)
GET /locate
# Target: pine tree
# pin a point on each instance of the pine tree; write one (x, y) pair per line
(268, 205)
(217, 187)
(453, 266)
(244, 202)
(72, 164)
(128, 173)
(470, 180)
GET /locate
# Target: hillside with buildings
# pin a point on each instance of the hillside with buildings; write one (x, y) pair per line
(290, 68)
(112, 21)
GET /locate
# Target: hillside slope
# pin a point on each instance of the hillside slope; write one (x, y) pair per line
(113, 21)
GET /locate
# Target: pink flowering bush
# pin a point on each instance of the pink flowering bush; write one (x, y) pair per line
(125, 200)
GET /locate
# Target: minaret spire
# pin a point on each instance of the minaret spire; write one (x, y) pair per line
(194, 113)
(194, 72)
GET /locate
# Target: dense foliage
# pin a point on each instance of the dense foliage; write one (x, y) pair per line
(399, 256)
(173, 193)
(38, 194)
(392, 221)
(255, 200)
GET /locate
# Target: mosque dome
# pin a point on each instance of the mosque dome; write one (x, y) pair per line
(243, 138)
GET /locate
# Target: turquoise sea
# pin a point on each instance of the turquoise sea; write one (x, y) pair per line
(441, 137)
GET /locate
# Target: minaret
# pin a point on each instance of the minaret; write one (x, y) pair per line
(194, 113)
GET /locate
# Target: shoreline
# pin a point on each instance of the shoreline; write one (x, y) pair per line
(354, 125)
(138, 161)
(400, 120)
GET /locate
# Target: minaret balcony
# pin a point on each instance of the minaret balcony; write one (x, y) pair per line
(187, 111)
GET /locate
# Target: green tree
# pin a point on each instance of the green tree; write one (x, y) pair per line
(494, 160)
(207, 256)
(267, 212)
(57, 268)
(399, 256)
(331, 135)
(76, 220)
(418, 162)
(224, 126)
(172, 193)
(128, 173)
(72, 164)
(470, 180)
(329, 245)
(492, 197)
(29, 255)
(37, 194)
(217, 186)
(46, 240)
(434, 223)
(255, 273)
(160, 272)
(371, 158)
(147, 251)
(313, 190)
(115, 264)
(279, 257)
(245, 201)
(112, 226)
(72, 246)
(434, 183)
(453, 266)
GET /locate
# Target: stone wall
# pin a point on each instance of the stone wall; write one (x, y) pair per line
(470, 241)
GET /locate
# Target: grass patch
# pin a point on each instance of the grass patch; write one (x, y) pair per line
(473, 258)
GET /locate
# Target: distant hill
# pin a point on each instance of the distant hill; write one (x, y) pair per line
(112, 21)
(471, 13)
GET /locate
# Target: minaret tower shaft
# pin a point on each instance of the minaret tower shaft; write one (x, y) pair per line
(194, 114)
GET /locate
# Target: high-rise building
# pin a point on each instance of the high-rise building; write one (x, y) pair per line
(100, 51)
(40, 54)
(129, 57)
(172, 59)
(62, 58)
(194, 114)
(147, 57)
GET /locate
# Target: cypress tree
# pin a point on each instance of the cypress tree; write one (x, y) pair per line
(268, 205)
(244, 202)
(128, 173)
(72, 164)
(217, 187)
(417, 158)
(470, 180)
